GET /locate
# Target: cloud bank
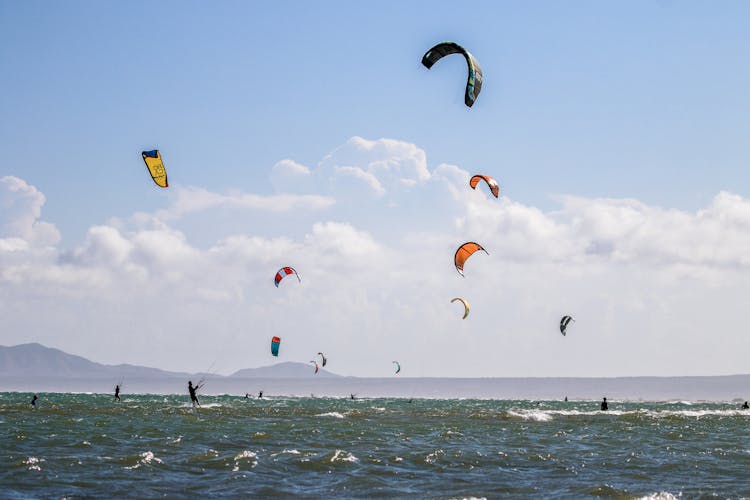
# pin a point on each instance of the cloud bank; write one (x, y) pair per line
(654, 291)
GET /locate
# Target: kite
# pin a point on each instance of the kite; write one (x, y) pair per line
(564, 323)
(466, 305)
(491, 182)
(398, 366)
(155, 167)
(275, 346)
(473, 82)
(316, 366)
(324, 360)
(284, 271)
(464, 252)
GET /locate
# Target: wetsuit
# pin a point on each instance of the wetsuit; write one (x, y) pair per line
(193, 396)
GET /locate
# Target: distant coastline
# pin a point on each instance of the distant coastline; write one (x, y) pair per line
(36, 368)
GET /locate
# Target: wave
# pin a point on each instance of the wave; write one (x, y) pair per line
(333, 414)
(547, 415)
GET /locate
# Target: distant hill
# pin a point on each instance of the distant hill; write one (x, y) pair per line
(38, 361)
(287, 369)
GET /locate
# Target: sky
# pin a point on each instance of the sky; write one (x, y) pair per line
(308, 134)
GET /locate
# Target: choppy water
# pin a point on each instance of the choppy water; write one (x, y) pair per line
(148, 446)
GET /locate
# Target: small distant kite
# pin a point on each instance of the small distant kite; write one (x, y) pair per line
(466, 305)
(491, 182)
(155, 167)
(564, 323)
(323, 359)
(283, 272)
(316, 366)
(398, 366)
(464, 252)
(474, 80)
(275, 346)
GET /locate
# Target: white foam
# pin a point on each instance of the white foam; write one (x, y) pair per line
(535, 415)
(248, 456)
(33, 463)
(343, 456)
(147, 457)
(333, 414)
(662, 495)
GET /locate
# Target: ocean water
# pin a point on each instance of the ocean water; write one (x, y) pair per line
(85, 445)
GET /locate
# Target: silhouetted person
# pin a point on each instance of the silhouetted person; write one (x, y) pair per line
(34, 400)
(193, 396)
(745, 406)
(352, 396)
(604, 406)
(247, 396)
(260, 394)
(566, 399)
(117, 393)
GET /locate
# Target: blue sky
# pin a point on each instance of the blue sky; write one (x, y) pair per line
(640, 101)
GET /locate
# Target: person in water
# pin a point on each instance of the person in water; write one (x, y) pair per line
(34, 400)
(117, 393)
(745, 406)
(604, 406)
(260, 394)
(353, 396)
(193, 395)
(566, 399)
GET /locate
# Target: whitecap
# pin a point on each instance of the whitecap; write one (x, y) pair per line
(286, 452)
(662, 495)
(534, 415)
(334, 414)
(343, 456)
(248, 456)
(147, 457)
(33, 463)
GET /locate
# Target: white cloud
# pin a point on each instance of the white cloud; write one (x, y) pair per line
(20, 209)
(641, 280)
(288, 176)
(192, 199)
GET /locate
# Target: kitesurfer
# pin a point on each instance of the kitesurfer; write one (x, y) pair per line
(604, 406)
(193, 396)
(247, 396)
(260, 394)
(117, 393)
(34, 400)
(745, 406)
(566, 399)
(352, 396)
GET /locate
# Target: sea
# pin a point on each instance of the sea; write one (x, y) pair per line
(148, 446)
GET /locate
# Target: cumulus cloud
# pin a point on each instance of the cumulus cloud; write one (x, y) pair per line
(20, 209)
(640, 279)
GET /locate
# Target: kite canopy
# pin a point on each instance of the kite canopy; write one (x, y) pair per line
(275, 346)
(466, 305)
(283, 272)
(564, 323)
(464, 252)
(473, 82)
(323, 359)
(316, 366)
(398, 366)
(491, 182)
(155, 167)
